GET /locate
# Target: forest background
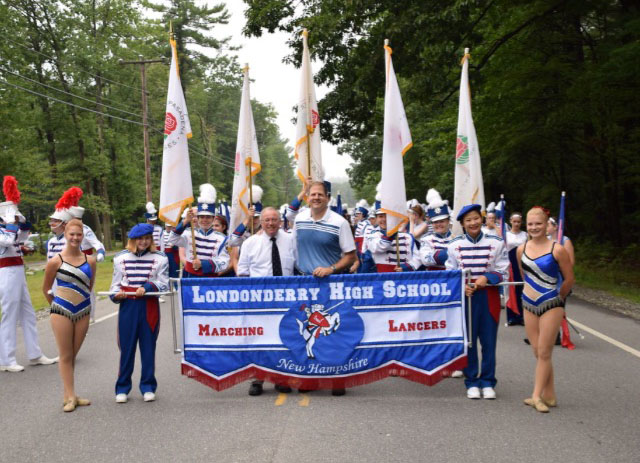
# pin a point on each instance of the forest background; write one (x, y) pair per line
(554, 84)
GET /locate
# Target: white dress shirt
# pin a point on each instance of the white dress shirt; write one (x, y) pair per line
(255, 255)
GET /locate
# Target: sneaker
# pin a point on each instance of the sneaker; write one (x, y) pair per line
(12, 368)
(121, 398)
(488, 393)
(44, 360)
(149, 396)
(473, 393)
(457, 374)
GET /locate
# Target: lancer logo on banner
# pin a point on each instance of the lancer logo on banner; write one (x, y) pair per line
(311, 333)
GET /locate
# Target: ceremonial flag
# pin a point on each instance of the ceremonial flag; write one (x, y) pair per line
(307, 150)
(468, 187)
(176, 191)
(566, 335)
(396, 142)
(247, 163)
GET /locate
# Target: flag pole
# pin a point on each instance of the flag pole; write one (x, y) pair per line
(249, 162)
(305, 33)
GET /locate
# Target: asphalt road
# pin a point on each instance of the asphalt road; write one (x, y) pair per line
(598, 418)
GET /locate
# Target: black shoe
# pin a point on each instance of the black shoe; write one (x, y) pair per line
(338, 392)
(526, 341)
(283, 389)
(255, 389)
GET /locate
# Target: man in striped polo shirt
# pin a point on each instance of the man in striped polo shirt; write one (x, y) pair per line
(324, 240)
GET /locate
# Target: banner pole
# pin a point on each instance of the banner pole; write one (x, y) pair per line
(250, 192)
(470, 324)
(397, 251)
(193, 235)
(173, 319)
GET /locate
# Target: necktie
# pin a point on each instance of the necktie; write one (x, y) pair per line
(275, 258)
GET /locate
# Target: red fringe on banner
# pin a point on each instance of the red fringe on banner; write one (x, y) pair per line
(358, 379)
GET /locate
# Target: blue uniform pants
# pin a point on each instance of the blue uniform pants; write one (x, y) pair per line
(484, 328)
(138, 323)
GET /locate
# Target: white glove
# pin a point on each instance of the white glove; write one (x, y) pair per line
(100, 257)
(9, 215)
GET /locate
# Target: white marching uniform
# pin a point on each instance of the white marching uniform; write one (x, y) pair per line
(158, 231)
(211, 249)
(515, 239)
(55, 245)
(14, 298)
(384, 253)
(433, 250)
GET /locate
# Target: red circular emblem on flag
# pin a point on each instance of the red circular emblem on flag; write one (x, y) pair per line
(315, 118)
(170, 123)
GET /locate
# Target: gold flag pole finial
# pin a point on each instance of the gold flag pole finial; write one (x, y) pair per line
(466, 56)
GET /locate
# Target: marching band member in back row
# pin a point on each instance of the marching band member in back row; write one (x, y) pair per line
(362, 227)
(387, 255)
(211, 256)
(486, 258)
(243, 230)
(433, 246)
(152, 218)
(138, 269)
(59, 218)
(418, 227)
(14, 295)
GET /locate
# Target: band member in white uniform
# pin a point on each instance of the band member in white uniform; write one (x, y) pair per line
(211, 256)
(152, 218)
(433, 246)
(14, 295)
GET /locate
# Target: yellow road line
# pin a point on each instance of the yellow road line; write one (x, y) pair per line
(604, 337)
(282, 398)
(304, 401)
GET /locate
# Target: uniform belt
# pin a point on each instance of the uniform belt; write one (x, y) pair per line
(188, 266)
(11, 261)
(132, 289)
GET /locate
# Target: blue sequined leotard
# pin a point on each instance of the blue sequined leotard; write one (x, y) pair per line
(72, 294)
(540, 282)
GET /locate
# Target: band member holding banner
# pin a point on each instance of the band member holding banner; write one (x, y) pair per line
(271, 253)
(138, 269)
(324, 241)
(486, 258)
(14, 294)
(542, 262)
(206, 252)
(74, 274)
(433, 246)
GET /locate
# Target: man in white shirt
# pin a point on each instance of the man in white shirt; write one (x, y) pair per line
(257, 256)
(265, 254)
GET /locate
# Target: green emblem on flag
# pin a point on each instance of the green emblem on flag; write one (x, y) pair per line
(462, 150)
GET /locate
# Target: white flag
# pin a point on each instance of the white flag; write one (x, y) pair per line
(176, 191)
(307, 128)
(396, 142)
(468, 187)
(247, 158)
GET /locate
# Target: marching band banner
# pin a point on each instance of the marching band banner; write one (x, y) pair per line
(334, 332)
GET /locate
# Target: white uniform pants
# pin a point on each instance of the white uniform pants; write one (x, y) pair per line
(16, 306)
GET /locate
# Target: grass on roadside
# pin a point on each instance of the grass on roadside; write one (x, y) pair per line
(34, 283)
(614, 270)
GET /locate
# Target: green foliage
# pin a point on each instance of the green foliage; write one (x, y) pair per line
(554, 87)
(70, 50)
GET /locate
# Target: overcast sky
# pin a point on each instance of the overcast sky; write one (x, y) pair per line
(275, 82)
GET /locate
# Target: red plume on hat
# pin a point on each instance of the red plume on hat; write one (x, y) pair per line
(10, 189)
(71, 197)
